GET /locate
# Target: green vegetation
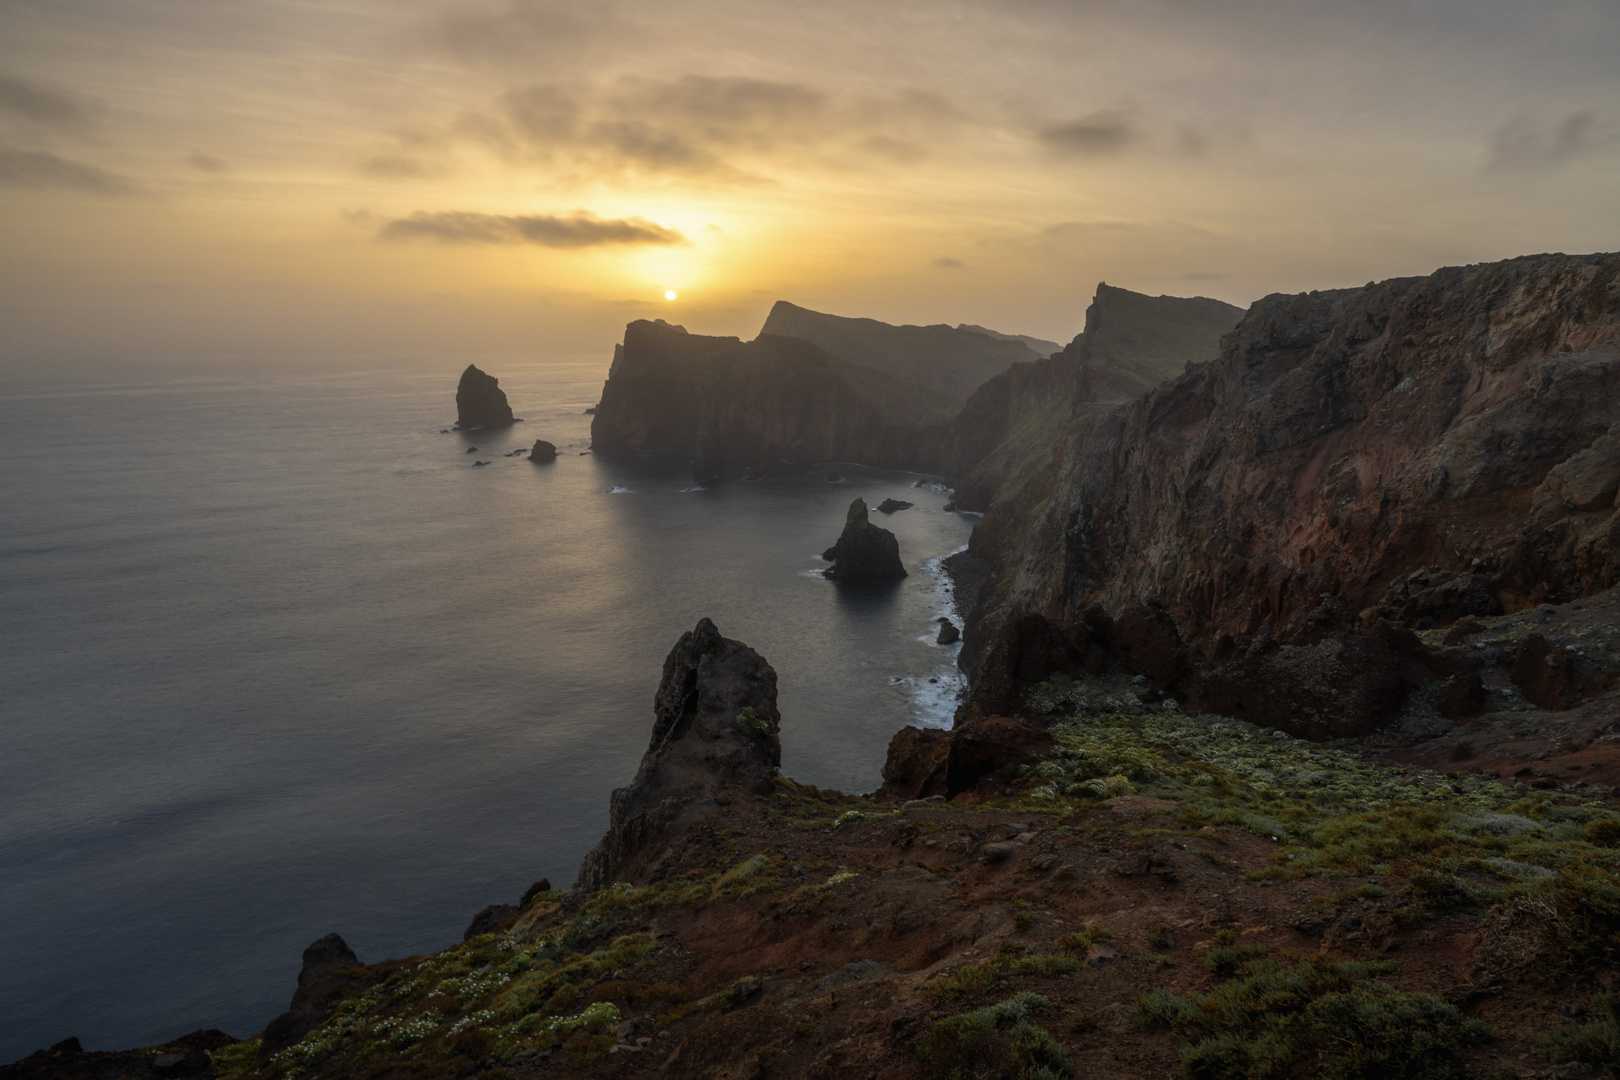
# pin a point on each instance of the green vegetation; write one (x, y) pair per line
(997, 1042)
(1444, 841)
(1319, 1018)
(1225, 956)
(1596, 1041)
(234, 1060)
(504, 993)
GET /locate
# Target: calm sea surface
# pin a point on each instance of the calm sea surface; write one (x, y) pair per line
(276, 660)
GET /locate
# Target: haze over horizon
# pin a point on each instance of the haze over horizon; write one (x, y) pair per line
(180, 177)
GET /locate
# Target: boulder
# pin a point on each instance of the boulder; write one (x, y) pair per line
(480, 401)
(331, 971)
(948, 633)
(986, 745)
(715, 725)
(916, 764)
(543, 452)
(889, 506)
(865, 552)
(1443, 596)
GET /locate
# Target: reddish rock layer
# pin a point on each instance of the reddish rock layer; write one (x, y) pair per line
(1463, 421)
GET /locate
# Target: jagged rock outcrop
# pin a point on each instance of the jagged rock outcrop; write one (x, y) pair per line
(715, 727)
(543, 453)
(1340, 441)
(480, 401)
(864, 551)
(331, 972)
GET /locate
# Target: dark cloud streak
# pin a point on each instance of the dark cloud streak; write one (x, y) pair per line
(579, 231)
(1525, 143)
(43, 106)
(1107, 131)
(41, 171)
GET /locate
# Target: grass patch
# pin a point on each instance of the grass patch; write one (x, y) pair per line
(1319, 1018)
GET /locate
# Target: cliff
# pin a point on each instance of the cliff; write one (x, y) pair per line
(772, 397)
(945, 363)
(1002, 443)
(1341, 441)
(480, 401)
(826, 388)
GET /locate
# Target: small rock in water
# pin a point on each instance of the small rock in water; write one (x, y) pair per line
(478, 463)
(948, 633)
(950, 507)
(543, 452)
(889, 506)
(472, 449)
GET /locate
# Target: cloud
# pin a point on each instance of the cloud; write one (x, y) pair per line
(1524, 142)
(34, 169)
(716, 128)
(44, 106)
(945, 262)
(522, 33)
(207, 164)
(394, 167)
(1106, 131)
(579, 231)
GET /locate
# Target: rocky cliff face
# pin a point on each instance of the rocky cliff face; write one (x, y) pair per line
(480, 401)
(714, 733)
(946, 363)
(1003, 441)
(833, 389)
(1463, 422)
(774, 397)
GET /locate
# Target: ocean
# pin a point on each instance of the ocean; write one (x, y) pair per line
(277, 660)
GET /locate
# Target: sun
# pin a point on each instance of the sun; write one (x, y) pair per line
(670, 294)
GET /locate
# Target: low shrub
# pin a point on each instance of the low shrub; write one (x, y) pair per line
(997, 1042)
(1595, 1042)
(1319, 1018)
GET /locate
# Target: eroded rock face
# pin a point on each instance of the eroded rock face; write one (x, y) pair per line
(1342, 684)
(864, 551)
(1340, 441)
(480, 401)
(715, 727)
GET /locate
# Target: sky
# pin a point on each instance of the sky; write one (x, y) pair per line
(285, 178)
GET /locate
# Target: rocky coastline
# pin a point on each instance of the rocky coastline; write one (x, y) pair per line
(1299, 670)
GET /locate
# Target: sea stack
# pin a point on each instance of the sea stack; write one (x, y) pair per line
(480, 401)
(715, 733)
(543, 452)
(864, 552)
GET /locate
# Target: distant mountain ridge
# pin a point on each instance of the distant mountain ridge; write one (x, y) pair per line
(941, 362)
